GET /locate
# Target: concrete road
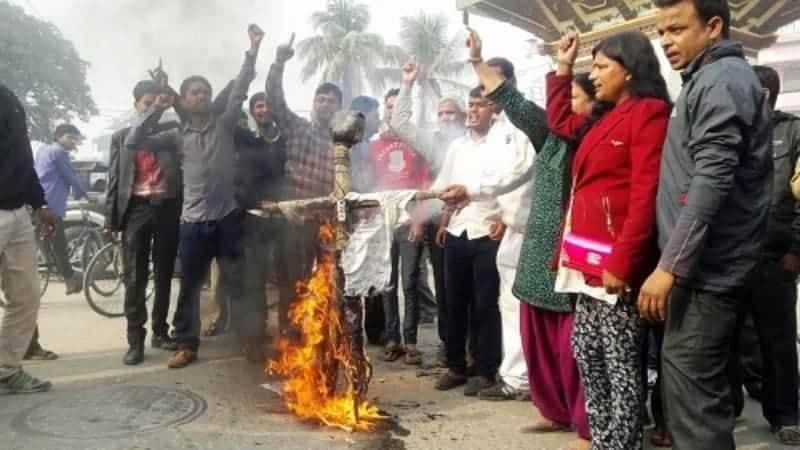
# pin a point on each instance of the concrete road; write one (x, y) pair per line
(98, 403)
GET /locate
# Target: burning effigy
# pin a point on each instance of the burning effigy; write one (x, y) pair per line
(326, 371)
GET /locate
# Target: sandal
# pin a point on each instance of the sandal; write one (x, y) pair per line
(413, 357)
(788, 435)
(660, 439)
(391, 353)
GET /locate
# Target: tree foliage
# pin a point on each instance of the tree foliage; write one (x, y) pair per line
(426, 37)
(44, 70)
(343, 51)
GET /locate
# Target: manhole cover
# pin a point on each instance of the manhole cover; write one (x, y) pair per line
(112, 412)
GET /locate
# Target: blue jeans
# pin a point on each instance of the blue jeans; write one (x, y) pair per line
(408, 271)
(199, 244)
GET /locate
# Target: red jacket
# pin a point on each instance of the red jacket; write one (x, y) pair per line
(615, 177)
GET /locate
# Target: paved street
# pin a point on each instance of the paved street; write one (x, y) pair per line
(98, 403)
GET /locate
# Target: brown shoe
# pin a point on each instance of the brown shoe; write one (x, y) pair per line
(182, 358)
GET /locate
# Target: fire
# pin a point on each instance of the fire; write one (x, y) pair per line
(314, 366)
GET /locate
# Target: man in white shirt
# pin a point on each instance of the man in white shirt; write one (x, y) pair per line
(470, 253)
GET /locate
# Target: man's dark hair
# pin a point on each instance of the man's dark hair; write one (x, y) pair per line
(66, 128)
(769, 80)
(194, 78)
(706, 10)
(145, 87)
(257, 97)
(394, 92)
(476, 92)
(506, 67)
(329, 88)
(364, 104)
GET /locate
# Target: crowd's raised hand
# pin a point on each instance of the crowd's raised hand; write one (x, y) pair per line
(285, 52)
(410, 71)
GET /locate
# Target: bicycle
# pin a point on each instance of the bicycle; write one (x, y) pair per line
(103, 279)
(81, 246)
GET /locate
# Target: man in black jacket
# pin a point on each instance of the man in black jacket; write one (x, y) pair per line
(774, 294)
(19, 187)
(713, 198)
(144, 202)
(259, 165)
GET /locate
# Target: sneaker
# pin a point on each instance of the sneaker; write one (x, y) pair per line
(21, 382)
(182, 358)
(499, 392)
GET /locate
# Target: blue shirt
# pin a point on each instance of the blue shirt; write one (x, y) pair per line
(57, 176)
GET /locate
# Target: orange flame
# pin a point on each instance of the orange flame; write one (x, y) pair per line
(312, 366)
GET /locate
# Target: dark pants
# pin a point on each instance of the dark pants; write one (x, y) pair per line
(249, 315)
(150, 230)
(56, 247)
(295, 251)
(698, 339)
(472, 279)
(200, 243)
(406, 272)
(772, 308)
(653, 347)
(436, 255)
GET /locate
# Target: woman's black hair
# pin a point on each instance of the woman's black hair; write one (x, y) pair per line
(586, 85)
(633, 51)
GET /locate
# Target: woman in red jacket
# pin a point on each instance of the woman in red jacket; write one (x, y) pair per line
(609, 242)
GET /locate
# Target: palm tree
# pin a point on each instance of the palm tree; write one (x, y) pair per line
(343, 50)
(425, 36)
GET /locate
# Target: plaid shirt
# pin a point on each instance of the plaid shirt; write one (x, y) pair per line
(309, 150)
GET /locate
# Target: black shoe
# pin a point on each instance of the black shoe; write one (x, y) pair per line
(473, 387)
(499, 392)
(163, 342)
(135, 355)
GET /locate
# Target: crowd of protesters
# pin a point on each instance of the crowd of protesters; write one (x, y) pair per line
(572, 243)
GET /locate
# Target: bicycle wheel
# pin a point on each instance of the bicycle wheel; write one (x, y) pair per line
(91, 245)
(43, 268)
(102, 282)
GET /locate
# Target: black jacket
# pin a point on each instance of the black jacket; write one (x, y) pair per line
(19, 184)
(783, 229)
(259, 168)
(122, 172)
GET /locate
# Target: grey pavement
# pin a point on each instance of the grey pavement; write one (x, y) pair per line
(98, 403)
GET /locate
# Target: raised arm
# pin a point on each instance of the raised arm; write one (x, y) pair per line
(284, 117)
(246, 76)
(420, 140)
(560, 118)
(527, 116)
(144, 135)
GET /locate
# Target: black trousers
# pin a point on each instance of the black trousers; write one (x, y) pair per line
(472, 281)
(295, 252)
(249, 315)
(698, 341)
(773, 334)
(149, 231)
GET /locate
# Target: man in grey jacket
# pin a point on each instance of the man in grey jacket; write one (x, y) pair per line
(713, 199)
